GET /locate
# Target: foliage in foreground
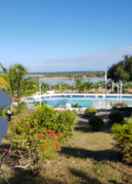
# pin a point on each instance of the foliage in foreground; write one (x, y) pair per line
(96, 123)
(116, 116)
(123, 137)
(90, 112)
(21, 107)
(41, 132)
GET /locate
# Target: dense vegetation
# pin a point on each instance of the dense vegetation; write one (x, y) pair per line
(14, 81)
(96, 123)
(123, 137)
(38, 135)
(122, 70)
(40, 132)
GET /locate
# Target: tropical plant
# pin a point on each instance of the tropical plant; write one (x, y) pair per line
(78, 84)
(14, 81)
(82, 86)
(13, 78)
(29, 86)
(61, 87)
(4, 85)
(122, 70)
(44, 87)
(16, 75)
(41, 132)
(54, 120)
(123, 137)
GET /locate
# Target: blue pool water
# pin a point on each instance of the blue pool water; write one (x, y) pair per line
(61, 102)
(86, 102)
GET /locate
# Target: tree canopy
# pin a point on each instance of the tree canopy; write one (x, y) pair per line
(122, 70)
(15, 81)
(16, 75)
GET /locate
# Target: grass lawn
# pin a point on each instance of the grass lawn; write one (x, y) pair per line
(87, 158)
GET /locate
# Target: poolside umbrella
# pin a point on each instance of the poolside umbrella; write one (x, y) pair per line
(3, 128)
(5, 101)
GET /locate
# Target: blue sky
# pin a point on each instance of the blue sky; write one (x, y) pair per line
(60, 35)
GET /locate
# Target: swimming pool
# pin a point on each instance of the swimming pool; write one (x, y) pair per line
(81, 100)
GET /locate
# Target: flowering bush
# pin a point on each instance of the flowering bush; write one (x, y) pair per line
(48, 144)
(50, 119)
(41, 132)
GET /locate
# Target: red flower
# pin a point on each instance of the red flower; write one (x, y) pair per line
(51, 133)
(40, 136)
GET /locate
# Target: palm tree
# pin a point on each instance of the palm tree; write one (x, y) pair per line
(14, 77)
(4, 85)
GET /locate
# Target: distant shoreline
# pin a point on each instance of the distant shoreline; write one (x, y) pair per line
(66, 78)
(67, 75)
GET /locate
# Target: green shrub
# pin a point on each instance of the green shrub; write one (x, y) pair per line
(21, 107)
(123, 138)
(41, 132)
(116, 116)
(90, 112)
(96, 123)
(65, 122)
(39, 144)
(44, 117)
(48, 118)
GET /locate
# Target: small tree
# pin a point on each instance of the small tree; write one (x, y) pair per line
(122, 70)
(83, 86)
(29, 86)
(44, 87)
(16, 75)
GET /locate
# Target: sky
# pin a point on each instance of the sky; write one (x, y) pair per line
(65, 35)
